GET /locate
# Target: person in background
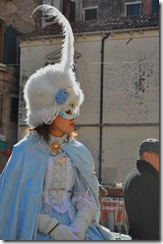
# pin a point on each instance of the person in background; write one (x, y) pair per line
(142, 193)
(48, 189)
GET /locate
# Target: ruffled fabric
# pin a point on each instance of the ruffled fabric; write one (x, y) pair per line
(64, 192)
(84, 200)
(57, 184)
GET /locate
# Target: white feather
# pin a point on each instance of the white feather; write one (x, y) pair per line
(68, 44)
(42, 86)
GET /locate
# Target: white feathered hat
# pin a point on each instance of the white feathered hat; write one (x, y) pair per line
(53, 87)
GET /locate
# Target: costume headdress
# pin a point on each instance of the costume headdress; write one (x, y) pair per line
(54, 87)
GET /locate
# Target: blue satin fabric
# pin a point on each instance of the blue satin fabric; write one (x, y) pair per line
(21, 184)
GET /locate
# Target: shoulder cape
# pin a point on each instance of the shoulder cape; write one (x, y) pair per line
(21, 184)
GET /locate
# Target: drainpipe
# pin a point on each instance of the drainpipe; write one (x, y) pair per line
(101, 104)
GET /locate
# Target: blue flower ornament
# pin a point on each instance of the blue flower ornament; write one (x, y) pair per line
(61, 96)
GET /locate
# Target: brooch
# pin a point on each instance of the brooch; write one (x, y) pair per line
(55, 147)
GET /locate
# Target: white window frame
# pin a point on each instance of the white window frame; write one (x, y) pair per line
(87, 8)
(132, 3)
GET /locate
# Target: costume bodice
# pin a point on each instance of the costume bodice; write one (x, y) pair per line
(63, 186)
(58, 183)
(59, 179)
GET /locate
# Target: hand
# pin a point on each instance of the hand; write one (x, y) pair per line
(63, 232)
(81, 233)
(81, 222)
(75, 231)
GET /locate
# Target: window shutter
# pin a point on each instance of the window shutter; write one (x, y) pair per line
(1, 109)
(72, 11)
(1, 35)
(9, 46)
(14, 109)
(155, 6)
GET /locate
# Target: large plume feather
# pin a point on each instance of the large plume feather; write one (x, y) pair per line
(52, 13)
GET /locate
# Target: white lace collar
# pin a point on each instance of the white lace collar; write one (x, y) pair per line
(59, 140)
(56, 142)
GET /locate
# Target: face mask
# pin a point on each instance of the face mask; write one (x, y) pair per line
(69, 113)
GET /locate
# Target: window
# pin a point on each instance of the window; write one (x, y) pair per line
(133, 8)
(1, 108)
(10, 45)
(1, 41)
(3, 27)
(14, 109)
(90, 13)
(69, 8)
(155, 6)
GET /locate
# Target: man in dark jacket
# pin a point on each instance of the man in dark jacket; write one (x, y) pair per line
(141, 193)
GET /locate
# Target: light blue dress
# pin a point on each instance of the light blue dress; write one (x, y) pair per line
(64, 192)
(26, 189)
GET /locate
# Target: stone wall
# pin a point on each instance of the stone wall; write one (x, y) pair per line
(9, 88)
(18, 12)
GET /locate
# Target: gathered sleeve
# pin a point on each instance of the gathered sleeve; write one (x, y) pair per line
(83, 197)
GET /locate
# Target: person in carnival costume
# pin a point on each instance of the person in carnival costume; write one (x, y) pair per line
(48, 187)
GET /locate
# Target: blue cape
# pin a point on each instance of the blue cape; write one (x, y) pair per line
(21, 184)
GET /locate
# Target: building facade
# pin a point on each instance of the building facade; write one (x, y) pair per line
(118, 68)
(77, 10)
(15, 21)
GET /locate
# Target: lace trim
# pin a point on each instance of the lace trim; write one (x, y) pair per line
(58, 139)
(63, 204)
(49, 117)
(84, 199)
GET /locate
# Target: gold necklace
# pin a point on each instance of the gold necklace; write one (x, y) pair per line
(55, 146)
(56, 142)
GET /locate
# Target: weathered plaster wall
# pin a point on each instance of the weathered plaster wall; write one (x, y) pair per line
(130, 94)
(131, 72)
